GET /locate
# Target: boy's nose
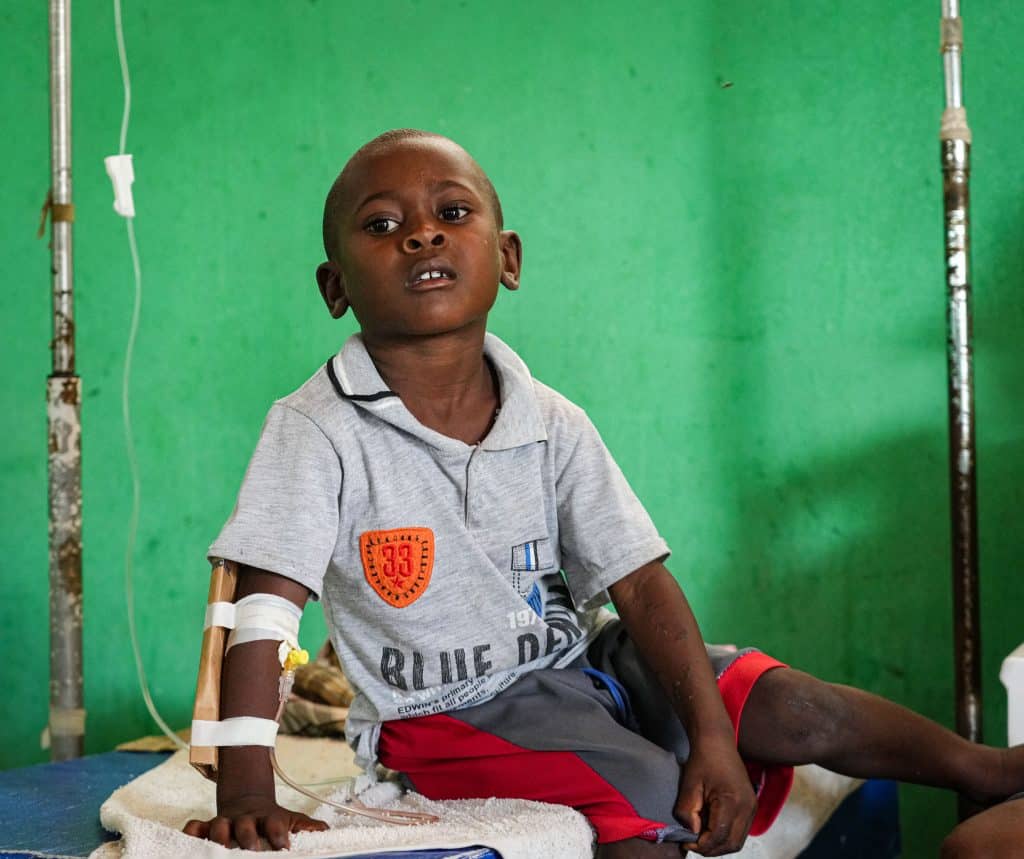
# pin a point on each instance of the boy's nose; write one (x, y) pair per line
(423, 237)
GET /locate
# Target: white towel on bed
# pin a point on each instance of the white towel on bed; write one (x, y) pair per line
(150, 811)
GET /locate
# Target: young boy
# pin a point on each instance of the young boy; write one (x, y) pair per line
(434, 494)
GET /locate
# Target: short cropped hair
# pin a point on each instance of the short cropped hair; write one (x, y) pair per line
(381, 143)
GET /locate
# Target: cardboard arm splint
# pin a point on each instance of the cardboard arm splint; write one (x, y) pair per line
(223, 581)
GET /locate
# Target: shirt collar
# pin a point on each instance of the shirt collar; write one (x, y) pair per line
(355, 378)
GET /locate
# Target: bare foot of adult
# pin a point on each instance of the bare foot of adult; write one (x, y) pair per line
(994, 834)
(999, 774)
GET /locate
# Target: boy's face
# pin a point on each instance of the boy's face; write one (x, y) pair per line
(419, 251)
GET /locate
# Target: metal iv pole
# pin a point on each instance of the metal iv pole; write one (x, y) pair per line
(955, 136)
(66, 725)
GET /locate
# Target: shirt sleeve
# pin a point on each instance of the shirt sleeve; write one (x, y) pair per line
(286, 516)
(604, 531)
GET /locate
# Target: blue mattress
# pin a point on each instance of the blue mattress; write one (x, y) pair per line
(52, 810)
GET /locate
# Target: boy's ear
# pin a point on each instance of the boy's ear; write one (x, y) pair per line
(332, 288)
(511, 248)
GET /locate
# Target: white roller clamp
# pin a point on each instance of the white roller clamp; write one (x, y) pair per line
(122, 175)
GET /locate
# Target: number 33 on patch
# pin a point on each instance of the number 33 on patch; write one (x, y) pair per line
(398, 563)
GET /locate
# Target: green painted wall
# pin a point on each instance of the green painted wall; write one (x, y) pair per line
(732, 221)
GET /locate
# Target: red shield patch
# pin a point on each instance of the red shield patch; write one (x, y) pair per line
(398, 563)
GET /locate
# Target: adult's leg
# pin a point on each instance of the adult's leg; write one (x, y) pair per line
(794, 718)
(994, 834)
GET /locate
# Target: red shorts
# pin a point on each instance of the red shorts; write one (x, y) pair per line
(599, 736)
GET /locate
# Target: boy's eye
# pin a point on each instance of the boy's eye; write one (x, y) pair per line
(381, 225)
(454, 212)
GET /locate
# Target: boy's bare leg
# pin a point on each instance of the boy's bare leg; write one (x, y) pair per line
(637, 848)
(794, 718)
(994, 834)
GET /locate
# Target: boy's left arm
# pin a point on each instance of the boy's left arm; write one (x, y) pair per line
(715, 796)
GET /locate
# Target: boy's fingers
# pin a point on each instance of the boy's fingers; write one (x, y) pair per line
(220, 831)
(743, 823)
(716, 836)
(245, 833)
(197, 828)
(742, 815)
(689, 805)
(302, 823)
(246, 829)
(726, 830)
(275, 827)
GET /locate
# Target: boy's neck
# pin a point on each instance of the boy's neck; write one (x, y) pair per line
(443, 380)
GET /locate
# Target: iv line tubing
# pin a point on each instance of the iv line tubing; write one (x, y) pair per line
(353, 806)
(126, 80)
(133, 463)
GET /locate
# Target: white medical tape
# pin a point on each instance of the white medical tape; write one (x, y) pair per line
(256, 617)
(220, 614)
(261, 627)
(236, 731)
(256, 633)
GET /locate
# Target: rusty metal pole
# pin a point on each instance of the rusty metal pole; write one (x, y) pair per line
(955, 138)
(63, 396)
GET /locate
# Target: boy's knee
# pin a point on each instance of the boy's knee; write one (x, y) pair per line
(808, 712)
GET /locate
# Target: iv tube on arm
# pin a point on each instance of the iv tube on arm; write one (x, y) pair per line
(258, 616)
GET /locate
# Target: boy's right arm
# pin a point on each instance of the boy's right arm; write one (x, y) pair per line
(246, 804)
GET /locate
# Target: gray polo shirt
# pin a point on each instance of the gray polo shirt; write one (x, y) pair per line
(447, 570)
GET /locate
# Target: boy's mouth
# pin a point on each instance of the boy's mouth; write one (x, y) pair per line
(431, 273)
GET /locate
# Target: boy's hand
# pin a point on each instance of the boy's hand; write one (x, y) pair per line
(245, 819)
(715, 798)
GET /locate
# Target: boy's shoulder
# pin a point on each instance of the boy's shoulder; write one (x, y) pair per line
(315, 398)
(346, 379)
(557, 410)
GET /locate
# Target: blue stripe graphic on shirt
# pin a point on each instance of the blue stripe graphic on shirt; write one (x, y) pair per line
(533, 600)
(527, 556)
